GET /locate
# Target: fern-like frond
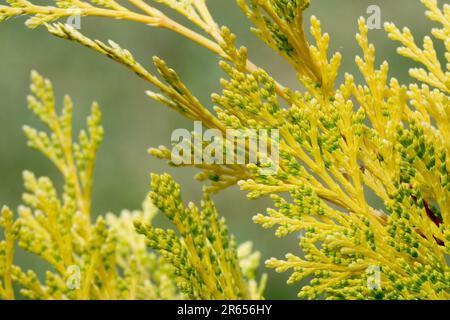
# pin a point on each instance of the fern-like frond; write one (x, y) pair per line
(206, 258)
(339, 143)
(101, 260)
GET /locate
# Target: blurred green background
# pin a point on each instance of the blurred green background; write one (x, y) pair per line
(133, 123)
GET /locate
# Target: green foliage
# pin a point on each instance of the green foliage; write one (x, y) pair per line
(206, 259)
(339, 142)
(85, 260)
(106, 259)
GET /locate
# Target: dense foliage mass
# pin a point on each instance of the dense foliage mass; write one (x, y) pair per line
(339, 143)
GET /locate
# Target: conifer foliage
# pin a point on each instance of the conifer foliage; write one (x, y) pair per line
(339, 142)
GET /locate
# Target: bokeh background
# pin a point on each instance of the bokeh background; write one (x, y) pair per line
(133, 123)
